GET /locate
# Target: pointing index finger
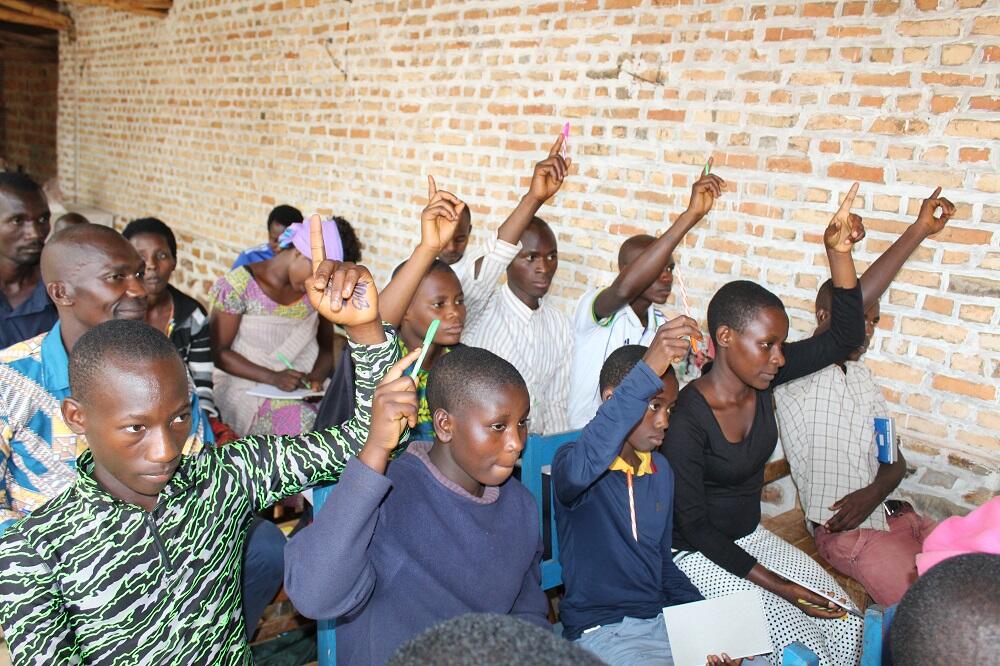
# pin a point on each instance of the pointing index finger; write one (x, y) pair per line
(316, 241)
(848, 202)
(936, 193)
(554, 150)
(431, 187)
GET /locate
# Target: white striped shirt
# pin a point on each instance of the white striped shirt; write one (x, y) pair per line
(536, 342)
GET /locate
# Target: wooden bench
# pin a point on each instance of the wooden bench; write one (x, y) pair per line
(791, 526)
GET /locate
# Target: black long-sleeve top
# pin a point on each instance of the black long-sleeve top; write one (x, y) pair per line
(717, 482)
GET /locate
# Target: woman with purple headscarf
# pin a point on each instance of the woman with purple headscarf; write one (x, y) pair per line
(262, 322)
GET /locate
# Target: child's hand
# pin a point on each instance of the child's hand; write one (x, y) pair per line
(341, 292)
(925, 218)
(671, 342)
(393, 408)
(845, 229)
(722, 660)
(704, 193)
(549, 173)
(440, 217)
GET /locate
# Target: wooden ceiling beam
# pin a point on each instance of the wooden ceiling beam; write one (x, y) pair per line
(137, 7)
(38, 12)
(20, 18)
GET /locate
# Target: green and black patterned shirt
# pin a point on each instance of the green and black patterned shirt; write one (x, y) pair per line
(89, 579)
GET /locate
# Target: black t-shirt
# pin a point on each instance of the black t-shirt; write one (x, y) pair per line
(718, 483)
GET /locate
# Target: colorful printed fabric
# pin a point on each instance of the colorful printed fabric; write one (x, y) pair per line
(38, 451)
(423, 411)
(91, 579)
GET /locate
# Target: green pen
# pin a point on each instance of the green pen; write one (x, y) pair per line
(708, 166)
(431, 332)
(288, 364)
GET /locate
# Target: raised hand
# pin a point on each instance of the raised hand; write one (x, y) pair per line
(440, 217)
(671, 342)
(845, 229)
(930, 205)
(393, 408)
(341, 292)
(704, 192)
(549, 173)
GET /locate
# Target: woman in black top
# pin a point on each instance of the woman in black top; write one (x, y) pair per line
(722, 433)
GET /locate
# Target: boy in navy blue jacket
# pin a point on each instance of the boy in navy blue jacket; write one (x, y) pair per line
(614, 509)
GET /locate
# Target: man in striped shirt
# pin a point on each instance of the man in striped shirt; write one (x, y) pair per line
(513, 320)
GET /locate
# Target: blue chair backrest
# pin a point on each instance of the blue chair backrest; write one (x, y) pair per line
(326, 630)
(536, 475)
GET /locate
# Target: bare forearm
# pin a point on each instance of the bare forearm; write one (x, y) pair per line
(239, 366)
(842, 269)
(883, 270)
(396, 297)
(888, 477)
(519, 218)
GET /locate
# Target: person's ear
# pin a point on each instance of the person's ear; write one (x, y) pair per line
(822, 315)
(59, 293)
(607, 393)
(724, 336)
(442, 425)
(73, 415)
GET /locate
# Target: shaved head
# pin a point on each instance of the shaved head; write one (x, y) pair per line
(632, 248)
(73, 248)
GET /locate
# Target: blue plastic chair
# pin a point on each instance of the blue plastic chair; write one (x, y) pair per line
(326, 630)
(876, 627)
(536, 475)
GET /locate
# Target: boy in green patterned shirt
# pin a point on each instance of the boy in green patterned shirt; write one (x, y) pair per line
(140, 560)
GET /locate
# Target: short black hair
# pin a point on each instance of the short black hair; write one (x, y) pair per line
(465, 372)
(489, 638)
(737, 303)
(621, 361)
(16, 181)
(152, 225)
(284, 215)
(437, 267)
(348, 240)
(115, 340)
(951, 614)
(824, 297)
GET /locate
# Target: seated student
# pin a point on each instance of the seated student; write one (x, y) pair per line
(261, 323)
(513, 320)
(951, 615)
(67, 220)
(721, 435)
(421, 290)
(140, 560)
(614, 508)
(180, 317)
(441, 531)
(623, 313)
(826, 421)
(280, 218)
(25, 308)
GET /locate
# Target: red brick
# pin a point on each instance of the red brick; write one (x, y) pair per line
(784, 34)
(789, 164)
(856, 172)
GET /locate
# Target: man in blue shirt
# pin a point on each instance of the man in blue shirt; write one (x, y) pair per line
(279, 219)
(93, 275)
(25, 308)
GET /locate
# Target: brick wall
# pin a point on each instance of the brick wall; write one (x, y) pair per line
(213, 115)
(29, 89)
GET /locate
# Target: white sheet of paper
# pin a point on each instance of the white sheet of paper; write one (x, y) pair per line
(733, 624)
(275, 393)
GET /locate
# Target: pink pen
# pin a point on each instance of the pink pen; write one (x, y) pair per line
(564, 151)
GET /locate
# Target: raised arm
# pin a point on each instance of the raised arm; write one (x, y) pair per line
(637, 276)
(328, 571)
(35, 623)
(438, 222)
(883, 270)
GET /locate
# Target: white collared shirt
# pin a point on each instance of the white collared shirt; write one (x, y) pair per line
(536, 342)
(827, 426)
(593, 342)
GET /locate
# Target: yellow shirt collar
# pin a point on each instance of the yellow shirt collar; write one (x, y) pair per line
(645, 464)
